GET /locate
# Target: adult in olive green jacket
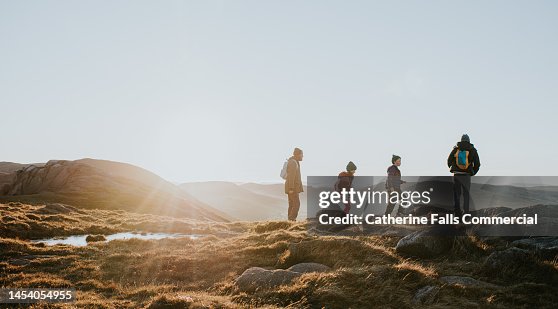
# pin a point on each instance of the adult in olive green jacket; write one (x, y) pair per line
(293, 183)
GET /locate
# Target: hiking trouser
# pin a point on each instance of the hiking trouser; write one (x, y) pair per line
(294, 205)
(461, 184)
(391, 205)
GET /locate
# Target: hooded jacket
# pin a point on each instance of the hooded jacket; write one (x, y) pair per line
(474, 161)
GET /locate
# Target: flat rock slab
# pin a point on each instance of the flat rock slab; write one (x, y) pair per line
(255, 278)
(309, 268)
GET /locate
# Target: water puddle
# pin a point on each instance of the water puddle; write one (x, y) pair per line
(79, 240)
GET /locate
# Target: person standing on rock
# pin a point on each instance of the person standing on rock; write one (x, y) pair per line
(293, 183)
(463, 162)
(393, 183)
(345, 181)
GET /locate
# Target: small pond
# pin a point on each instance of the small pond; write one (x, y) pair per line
(79, 240)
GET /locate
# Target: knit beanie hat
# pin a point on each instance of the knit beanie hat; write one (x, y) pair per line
(351, 166)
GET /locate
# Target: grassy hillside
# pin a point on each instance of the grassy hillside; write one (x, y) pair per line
(366, 271)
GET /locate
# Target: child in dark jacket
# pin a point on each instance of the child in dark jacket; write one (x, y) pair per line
(345, 181)
(393, 183)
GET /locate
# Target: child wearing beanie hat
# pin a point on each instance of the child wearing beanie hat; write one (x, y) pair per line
(345, 181)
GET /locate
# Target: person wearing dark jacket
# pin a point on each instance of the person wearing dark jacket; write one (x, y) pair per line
(345, 181)
(463, 162)
(293, 183)
(393, 183)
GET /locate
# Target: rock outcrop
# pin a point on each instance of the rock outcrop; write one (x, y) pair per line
(55, 175)
(512, 258)
(545, 247)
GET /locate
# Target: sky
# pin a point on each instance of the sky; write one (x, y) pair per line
(224, 90)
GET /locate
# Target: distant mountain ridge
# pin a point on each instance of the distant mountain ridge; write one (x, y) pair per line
(245, 202)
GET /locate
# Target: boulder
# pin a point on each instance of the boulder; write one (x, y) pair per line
(520, 265)
(427, 243)
(545, 247)
(507, 259)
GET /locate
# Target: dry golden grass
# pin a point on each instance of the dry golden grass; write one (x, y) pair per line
(185, 273)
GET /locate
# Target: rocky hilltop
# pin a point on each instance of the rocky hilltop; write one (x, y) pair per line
(101, 184)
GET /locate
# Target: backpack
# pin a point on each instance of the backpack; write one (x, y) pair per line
(462, 159)
(283, 173)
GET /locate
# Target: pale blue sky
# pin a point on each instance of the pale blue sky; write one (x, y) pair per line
(223, 90)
